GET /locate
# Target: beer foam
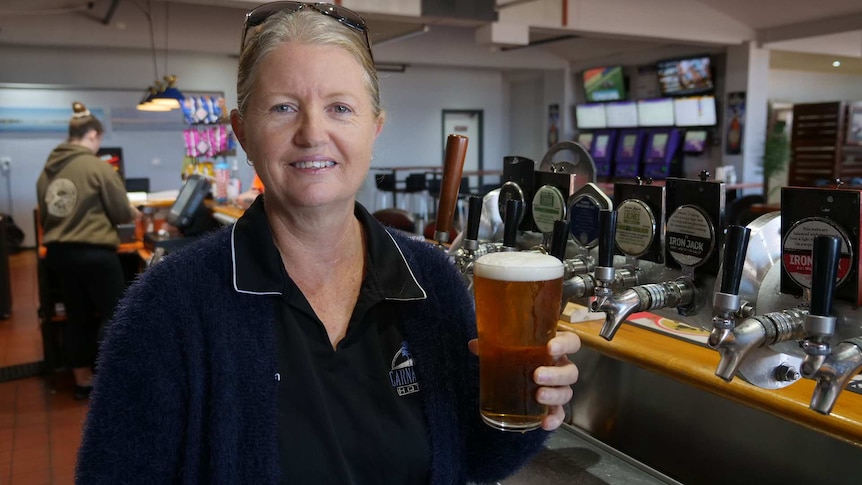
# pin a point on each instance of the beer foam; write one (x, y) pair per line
(518, 266)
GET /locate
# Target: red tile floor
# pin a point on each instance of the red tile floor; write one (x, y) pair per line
(40, 430)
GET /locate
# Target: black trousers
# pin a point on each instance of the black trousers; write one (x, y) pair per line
(92, 283)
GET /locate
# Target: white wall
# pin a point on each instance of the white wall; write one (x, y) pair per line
(813, 87)
(414, 101)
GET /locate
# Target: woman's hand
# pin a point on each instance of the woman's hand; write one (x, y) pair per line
(556, 380)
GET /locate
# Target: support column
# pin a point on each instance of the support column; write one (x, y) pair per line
(747, 70)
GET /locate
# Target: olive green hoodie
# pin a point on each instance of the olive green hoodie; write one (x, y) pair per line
(81, 198)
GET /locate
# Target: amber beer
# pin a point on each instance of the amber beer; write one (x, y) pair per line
(518, 298)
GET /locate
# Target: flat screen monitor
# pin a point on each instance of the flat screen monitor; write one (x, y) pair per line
(590, 116)
(586, 141)
(628, 148)
(189, 203)
(602, 146)
(655, 112)
(694, 142)
(695, 111)
(622, 114)
(658, 145)
(113, 157)
(680, 77)
(604, 84)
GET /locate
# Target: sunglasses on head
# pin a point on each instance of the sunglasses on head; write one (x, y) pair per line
(342, 14)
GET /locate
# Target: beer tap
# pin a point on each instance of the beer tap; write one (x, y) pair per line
(560, 240)
(510, 224)
(835, 372)
(726, 300)
(819, 324)
(453, 167)
(582, 277)
(470, 249)
(604, 272)
(738, 342)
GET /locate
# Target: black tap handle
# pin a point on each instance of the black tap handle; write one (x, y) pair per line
(510, 226)
(559, 239)
(607, 233)
(474, 215)
(824, 268)
(735, 247)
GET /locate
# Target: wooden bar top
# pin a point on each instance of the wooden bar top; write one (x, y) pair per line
(695, 365)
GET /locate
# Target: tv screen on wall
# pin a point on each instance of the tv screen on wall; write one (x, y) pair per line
(680, 77)
(604, 84)
(695, 111)
(590, 116)
(655, 112)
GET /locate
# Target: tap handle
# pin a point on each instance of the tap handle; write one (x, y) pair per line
(607, 232)
(474, 215)
(510, 227)
(453, 167)
(735, 247)
(559, 239)
(824, 268)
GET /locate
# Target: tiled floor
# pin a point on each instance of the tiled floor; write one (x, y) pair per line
(20, 339)
(40, 430)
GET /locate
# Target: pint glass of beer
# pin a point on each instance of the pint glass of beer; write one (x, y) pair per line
(518, 298)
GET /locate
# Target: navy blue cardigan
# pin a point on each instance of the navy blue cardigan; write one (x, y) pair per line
(186, 389)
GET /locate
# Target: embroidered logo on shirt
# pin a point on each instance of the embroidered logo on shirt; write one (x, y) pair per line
(61, 197)
(402, 376)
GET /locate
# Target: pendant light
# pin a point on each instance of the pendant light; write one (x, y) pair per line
(162, 97)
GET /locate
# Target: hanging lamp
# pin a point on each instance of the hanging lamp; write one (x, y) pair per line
(170, 97)
(147, 104)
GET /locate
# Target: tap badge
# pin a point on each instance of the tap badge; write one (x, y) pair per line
(402, 376)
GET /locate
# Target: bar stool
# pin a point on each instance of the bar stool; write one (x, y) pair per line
(385, 184)
(417, 198)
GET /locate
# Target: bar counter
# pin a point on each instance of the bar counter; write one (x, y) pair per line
(695, 365)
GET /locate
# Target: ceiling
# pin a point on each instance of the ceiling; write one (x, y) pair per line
(835, 22)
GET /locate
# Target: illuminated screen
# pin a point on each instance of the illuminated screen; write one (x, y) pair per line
(655, 112)
(622, 114)
(600, 150)
(695, 111)
(685, 76)
(658, 147)
(695, 141)
(591, 116)
(184, 196)
(604, 84)
(586, 140)
(629, 142)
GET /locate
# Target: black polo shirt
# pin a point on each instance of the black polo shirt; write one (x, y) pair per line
(352, 415)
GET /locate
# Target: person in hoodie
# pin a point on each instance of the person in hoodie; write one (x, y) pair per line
(81, 201)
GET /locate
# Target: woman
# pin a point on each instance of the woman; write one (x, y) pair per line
(305, 344)
(81, 201)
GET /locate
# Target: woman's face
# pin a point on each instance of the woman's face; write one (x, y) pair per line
(309, 126)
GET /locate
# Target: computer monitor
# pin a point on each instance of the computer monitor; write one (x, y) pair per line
(695, 142)
(661, 156)
(113, 156)
(629, 152)
(188, 213)
(602, 151)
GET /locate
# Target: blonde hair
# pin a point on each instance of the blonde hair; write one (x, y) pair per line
(307, 27)
(83, 122)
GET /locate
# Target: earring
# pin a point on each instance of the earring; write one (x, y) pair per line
(249, 162)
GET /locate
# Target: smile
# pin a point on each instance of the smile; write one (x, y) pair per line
(314, 164)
